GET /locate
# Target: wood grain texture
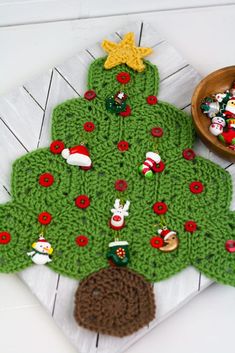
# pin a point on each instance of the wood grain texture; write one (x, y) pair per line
(39, 97)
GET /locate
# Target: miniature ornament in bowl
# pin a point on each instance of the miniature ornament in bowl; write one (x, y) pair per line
(42, 250)
(217, 125)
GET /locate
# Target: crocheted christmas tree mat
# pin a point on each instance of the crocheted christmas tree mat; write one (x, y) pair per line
(119, 199)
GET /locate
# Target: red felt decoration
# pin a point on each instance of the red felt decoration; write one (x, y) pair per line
(57, 147)
(121, 185)
(89, 95)
(44, 218)
(123, 146)
(46, 179)
(126, 112)
(160, 208)
(5, 237)
(188, 154)
(190, 226)
(156, 242)
(123, 77)
(151, 100)
(82, 201)
(89, 126)
(157, 131)
(196, 187)
(81, 240)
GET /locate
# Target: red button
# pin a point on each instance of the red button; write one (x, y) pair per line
(190, 226)
(89, 126)
(158, 168)
(44, 218)
(151, 100)
(46, 179)
(82, 201)
(156, 242)
(188, 154)
(121, 185)
(57, 146)
(196, 187)
(230, 245)
(157, 131)
(123, 146)
(123, 77)
(5, 237)
(89, 95)
(160, 208)
(126, 112)
(81, 240)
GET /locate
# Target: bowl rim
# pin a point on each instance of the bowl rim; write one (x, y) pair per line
(199, 128)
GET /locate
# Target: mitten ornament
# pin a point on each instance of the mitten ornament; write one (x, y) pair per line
(118, 253)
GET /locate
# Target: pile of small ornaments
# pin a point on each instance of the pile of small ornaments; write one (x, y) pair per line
(220, 108)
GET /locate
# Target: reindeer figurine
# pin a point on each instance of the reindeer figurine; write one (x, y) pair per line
(119, 211)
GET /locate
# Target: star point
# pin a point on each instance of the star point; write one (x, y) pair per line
(125, 52)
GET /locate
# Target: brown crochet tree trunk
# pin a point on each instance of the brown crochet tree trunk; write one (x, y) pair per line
(114, 301)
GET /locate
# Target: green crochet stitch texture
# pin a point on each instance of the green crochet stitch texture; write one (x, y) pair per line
(204, 249)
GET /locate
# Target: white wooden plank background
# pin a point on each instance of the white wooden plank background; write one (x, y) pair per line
(39, 97)
(37, 11)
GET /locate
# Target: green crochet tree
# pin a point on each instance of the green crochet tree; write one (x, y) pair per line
(179, 206)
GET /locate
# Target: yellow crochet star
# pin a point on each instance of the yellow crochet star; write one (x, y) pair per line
(125, 52)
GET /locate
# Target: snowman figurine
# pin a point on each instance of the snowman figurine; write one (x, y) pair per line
(42, 250)
(217, 125)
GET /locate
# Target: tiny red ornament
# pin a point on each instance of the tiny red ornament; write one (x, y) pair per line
(89, 126)
(157, 131)
(230, 245)
(82, 201)
(156, 242)
(196, 187)
(57, 147)
(123, 77)
(123, 146)
(160, 208)
(5, 237)
(89, 95)
(46, 179)
(81, 240)
(126, 112)
(121, 185)
(151, 100)
(190, 226)
(188, 154)
(158, 167)
(44, 218)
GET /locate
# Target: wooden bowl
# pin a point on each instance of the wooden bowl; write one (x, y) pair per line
(217, 81)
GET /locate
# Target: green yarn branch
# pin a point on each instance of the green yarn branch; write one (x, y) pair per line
(204, 248)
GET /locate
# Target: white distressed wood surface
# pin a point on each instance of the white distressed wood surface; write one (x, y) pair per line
(25, 124)
(37, 11)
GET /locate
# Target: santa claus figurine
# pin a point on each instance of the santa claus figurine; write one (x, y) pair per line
(230, 109)
(78, 155)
